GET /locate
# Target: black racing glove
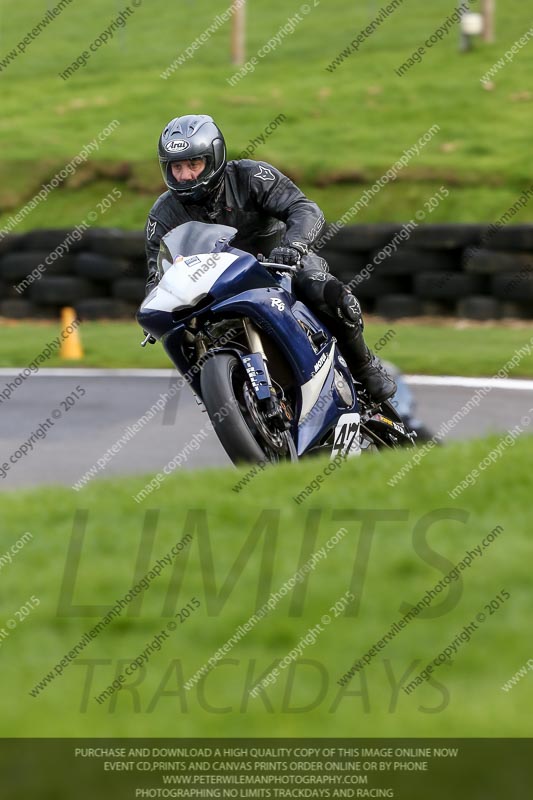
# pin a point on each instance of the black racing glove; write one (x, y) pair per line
(290, 254)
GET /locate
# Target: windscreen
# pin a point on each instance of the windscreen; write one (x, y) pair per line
(192, 238)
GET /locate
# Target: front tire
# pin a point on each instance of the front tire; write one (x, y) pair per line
(237, 419)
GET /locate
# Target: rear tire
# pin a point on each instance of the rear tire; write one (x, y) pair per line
(232, 407)
(388, 432)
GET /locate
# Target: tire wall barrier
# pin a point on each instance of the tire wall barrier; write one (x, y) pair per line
(464, 270)
(101, 273)
(473, 271)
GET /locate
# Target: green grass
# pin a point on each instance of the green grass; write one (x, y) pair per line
(429, 349)
(425, 535)
(397, 204)
(350, 124)
(436, 350)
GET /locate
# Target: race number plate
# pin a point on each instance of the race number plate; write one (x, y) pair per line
(347, 440)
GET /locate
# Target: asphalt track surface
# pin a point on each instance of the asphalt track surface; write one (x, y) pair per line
(84, 429)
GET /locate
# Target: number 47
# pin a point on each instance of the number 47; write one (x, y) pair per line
(346, 439)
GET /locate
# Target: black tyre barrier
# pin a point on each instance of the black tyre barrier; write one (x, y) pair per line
(513, 237)
(101, 268)
(480, 308)
(52, 238)
(438, 308)
(446, 236)
(61, 290)
(8, 291)
(17, 267)
(433, 269)
(447, 285)
(359, 238)
(408, 261)
(137, 268)
(10, 243)
(491, 262)
(17, 309)
(344, 265)
(115, 242)
(516, 310)
(132, 289)
(378, 285)
(513, 286)
(105, 308)
(395, 306)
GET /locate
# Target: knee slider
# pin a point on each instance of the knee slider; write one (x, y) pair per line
(344, 304)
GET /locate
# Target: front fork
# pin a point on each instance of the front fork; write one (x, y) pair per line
(256, 366)
(254, 338)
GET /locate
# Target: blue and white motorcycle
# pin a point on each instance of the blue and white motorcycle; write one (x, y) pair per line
(270, 375)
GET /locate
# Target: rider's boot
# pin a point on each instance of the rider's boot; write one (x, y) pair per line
(364, 366)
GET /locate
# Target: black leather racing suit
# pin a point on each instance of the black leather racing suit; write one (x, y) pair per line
(268, 210)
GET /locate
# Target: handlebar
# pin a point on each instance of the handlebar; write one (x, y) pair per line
(281, 267)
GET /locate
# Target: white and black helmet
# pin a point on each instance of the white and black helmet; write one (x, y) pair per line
(193, 136)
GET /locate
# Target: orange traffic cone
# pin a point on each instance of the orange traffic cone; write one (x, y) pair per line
(70, 343)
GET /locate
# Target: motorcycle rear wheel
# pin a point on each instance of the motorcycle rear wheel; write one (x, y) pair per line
(386, 430)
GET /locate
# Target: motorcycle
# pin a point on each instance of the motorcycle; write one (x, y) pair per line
(266, 369)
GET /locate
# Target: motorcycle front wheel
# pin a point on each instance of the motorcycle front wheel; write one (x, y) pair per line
(237, 418)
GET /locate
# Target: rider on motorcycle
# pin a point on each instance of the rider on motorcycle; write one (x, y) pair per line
(271, 215)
